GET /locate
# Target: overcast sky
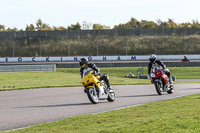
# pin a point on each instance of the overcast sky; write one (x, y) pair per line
(19, 13)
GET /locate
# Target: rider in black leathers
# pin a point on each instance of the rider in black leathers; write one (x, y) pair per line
(153, 61)
(84, 65)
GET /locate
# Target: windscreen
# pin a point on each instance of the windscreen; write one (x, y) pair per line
(155, 69)
(86, 71)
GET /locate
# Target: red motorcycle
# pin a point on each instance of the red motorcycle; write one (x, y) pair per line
(185, 59)
(161, 81)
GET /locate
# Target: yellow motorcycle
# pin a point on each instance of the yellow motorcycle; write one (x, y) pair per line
(96, 89)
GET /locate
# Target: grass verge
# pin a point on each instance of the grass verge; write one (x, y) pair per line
(66, 77)
(179, 115)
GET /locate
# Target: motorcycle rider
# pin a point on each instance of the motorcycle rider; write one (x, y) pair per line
(84, 65)
(185, 58)
(153, 61)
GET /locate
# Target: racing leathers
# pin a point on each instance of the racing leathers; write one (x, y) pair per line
(97, 72)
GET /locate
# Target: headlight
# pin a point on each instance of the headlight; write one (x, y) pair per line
(152, 75)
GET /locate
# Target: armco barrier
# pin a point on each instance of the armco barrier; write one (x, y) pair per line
(27, 68)
(132, 64)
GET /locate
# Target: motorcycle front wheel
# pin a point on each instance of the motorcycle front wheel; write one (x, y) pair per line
(159, 87)
(92, 96)
(111, 96)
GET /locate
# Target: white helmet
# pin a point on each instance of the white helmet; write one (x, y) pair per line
(152, 58)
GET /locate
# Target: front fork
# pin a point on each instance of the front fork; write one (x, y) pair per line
(160, 81)
(95, 92)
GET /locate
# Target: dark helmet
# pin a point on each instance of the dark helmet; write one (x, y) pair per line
(83, 62)
(152, 58)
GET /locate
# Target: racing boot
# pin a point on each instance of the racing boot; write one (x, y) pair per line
(170, 80)
(110, 89)
(107, 89)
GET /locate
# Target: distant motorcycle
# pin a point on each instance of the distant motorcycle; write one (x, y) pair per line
(96, 90)
(161, 81)
(185, 59)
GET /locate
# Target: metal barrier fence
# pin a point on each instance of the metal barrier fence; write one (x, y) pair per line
(93, 33)
(175, 41)
(27, 68)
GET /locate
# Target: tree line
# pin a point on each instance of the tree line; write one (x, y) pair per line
(133, 23)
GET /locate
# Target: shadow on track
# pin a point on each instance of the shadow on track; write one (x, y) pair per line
(59, 105)
(137, 96)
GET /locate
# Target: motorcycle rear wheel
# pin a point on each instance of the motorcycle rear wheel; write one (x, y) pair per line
(159, 87)
(92, 96)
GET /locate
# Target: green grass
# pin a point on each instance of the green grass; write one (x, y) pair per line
(179, 115)
(64, 77)
(185, 72)
(26, 80)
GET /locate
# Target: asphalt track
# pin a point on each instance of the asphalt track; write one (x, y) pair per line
(22, 108)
